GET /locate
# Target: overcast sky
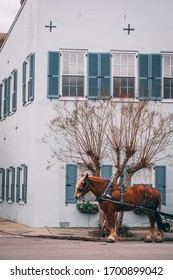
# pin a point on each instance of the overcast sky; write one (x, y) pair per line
(8, 11)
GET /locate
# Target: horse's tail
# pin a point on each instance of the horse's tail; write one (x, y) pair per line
(160, 204)
(164, 226)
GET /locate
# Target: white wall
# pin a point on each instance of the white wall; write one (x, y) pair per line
(93, 25)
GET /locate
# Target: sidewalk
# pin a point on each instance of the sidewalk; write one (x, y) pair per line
(138, 234)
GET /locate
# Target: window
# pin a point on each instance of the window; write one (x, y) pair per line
(10, 184)
(28, 78)
(124, 75)
(21, 184)
(168, 76)
(150, 76)
(99, 71)
(73, 74)
(2, 184)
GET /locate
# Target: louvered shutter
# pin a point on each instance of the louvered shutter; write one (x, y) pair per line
(160, 181)
(156, 76)
(143, 76)
(3, 183)
(0, 101)
(93, 66)
(53, 74)
(25, 184)
(14, 97)
(5, 112)
(18, 184)
(13, 184)
(7, 183)
(106, 171)
(31, 77)
(150, 76)
(24, 82)
(99, 65)
(71, 180)
(105, 71)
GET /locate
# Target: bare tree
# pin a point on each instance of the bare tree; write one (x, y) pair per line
(140, 135)
(79, 130)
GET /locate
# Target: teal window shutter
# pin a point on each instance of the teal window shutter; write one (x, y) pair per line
(18, 184)
(53, 74)
(106, 171)
(31, 77)
(7, 183)
(14, 97)
(156, 76)
(0, 101)
(105, 72)
(99, 73)
(143, 76)
(93, 88)
(2, 183)
(25, 180)
(150, 76)
(24, 82)
(160, 181)
(5, 112)
(12, 184)
(71, 180)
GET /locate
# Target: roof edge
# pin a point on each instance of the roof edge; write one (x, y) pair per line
(13, 24)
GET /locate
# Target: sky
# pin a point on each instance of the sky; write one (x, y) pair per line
(8, 11)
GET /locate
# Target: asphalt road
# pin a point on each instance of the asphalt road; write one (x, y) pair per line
(29, 248)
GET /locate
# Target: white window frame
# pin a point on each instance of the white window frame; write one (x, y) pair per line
(167, 74)
(126, 74)
(75, 74)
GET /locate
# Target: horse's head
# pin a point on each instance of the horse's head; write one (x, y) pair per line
(82, 186)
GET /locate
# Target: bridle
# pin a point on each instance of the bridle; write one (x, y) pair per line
(86, 187)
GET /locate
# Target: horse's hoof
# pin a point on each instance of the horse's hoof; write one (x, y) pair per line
(158, 240)
(146, 240)
(110, 241)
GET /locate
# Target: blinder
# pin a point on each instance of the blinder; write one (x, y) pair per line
(85, 188)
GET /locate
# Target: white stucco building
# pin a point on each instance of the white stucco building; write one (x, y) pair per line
(59, 50)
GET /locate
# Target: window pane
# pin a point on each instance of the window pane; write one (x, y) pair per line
(124, 59)
(131, 82)
(166, 61)
(117, 59)
(124, 82)
(72, 81)
(124, 71)
(65, 91)
(130, 71)
(131, 60)
(72, 91)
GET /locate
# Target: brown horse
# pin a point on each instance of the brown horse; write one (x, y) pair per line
(135, 196)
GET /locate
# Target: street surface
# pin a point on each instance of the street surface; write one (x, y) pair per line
(13, 247)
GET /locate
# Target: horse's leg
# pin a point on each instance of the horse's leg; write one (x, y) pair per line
(159, 236)
(111, 219)
(150, 234)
